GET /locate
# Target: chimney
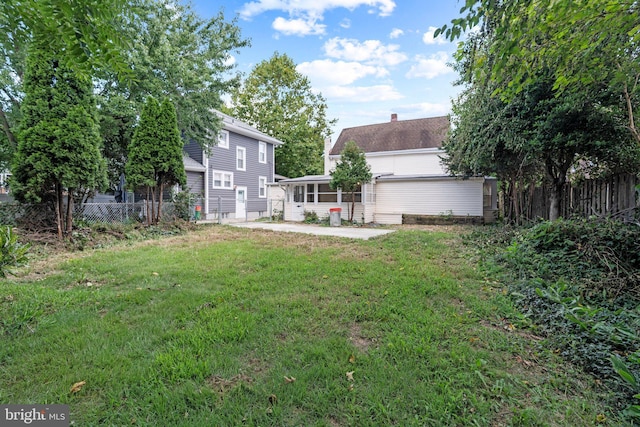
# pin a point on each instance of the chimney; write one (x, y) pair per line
(394, 117)
(327, 162)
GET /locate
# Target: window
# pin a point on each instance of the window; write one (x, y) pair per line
(223, 139)
(262, 152)
(223, 180)
(262, 186)
(241, 156)
(346, 196)
(326, 194)
(298, 194)
(311, 193)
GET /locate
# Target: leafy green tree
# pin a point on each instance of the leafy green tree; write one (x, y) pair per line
(118, 117)
(351, 173)
(88, 31)
(166, 49)
(155, 155)
(59, 141)
(278, 100)
(588, 46)
(517, 120)
(177, 54)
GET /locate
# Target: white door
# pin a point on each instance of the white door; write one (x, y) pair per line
(241, 202)
(297, 210)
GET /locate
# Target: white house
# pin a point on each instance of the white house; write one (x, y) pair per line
(409, 179)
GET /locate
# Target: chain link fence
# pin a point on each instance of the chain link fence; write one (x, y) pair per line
(42, 216)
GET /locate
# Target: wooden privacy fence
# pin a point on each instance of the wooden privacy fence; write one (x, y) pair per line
(616, 197)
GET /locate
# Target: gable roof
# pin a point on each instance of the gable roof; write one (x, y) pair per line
(395, 135)
(238, 126)
(191, 165)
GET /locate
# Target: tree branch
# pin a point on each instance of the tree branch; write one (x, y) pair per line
(7, 129)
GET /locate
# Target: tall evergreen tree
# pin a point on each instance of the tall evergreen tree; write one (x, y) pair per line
(155, 155)
(170, 165)
(139, 168)
(59, 140)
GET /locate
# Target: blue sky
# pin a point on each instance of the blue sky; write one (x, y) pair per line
(368, 58)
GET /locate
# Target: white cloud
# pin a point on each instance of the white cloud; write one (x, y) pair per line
(369, 51)
(346, 23)
(428, 38)
(395, 33)
(361, 93)
(302, 7)
(429, 67)
(230, 61)
(298, 27)
(327, 72)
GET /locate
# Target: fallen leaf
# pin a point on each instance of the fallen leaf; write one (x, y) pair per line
(155, 274)
(350, 376)
(289, 379)
(352, 359)
(77, 387)
(350, 387)
(273, 399)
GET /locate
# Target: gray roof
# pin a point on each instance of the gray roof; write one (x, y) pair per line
(308, 178)
(192, 165)
(242, 128)
(395, 135)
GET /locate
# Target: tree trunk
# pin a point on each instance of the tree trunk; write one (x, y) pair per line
(7, 130)
(160, 191)
(59, 209)
(353, 206)
(153, 205)
(554, 199)
(69, 219)
(514, 200)
(147, 206)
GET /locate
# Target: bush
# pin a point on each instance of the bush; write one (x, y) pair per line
(579, 282)
(311, 217)
(183, 201)
(13, 254)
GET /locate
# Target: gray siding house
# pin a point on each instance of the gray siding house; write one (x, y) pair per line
(232, 179)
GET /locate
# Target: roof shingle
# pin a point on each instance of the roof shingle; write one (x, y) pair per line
(395, 135)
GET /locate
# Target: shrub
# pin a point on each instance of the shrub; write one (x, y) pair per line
(579, 282)
(311, 217)
(13, 254)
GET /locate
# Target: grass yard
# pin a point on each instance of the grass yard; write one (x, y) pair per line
(226, 327)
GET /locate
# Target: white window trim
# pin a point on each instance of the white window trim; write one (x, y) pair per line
(262, 185)
(262, 150)
(223, 139)
(221, 186)
(244, 158)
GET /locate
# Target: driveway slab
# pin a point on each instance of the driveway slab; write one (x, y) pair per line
(364, 233)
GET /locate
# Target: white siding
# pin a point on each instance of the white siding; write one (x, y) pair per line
(408, 164)
(425, 162)
(428, 197)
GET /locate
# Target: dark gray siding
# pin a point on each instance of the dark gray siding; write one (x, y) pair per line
(223, 159)
(194, 151)
(195, 182)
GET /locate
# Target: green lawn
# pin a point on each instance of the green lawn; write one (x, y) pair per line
(226, 327)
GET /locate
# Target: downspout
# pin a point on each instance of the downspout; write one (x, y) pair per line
(205, 161)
